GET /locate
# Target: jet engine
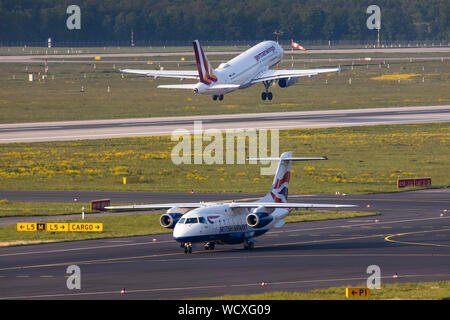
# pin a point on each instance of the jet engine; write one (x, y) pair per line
(287, 82)
(169, 220)
(258, 218)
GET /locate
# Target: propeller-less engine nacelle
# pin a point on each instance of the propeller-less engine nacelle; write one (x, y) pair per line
(258, 218)
(287, 82)
(169, 220)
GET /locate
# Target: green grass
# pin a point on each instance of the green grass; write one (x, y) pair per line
(399, 291)
(137, 96)
(24, 209)
(361, 160)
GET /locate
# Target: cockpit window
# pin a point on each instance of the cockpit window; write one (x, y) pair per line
(202, 220)
(191, 220)
(181, 221)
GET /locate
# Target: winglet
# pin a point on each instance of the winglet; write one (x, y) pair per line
(205, 70)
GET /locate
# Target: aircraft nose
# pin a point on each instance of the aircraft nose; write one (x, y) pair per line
(185, 231)
(178, 231)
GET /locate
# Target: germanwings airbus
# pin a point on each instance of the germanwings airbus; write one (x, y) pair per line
(241, 72)
(232, 222)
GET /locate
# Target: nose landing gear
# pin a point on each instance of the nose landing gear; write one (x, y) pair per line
(187, 247)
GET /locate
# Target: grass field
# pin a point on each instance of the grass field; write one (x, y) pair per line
(119, 226)
(398, 291)
(26, 209)
(361, 160)
(59, 98)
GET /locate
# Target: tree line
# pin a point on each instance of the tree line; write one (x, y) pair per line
(26, 20)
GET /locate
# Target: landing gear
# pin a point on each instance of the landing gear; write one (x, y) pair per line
(209, 246)
(249, 244)
(217, 96)
(187, 247)
(267, 95)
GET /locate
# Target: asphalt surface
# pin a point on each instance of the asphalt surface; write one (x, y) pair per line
(411, 238)
(39, 58)
(166, 126)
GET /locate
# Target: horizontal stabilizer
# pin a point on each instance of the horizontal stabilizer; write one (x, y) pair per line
(180, 74)
(225, 86)
(288, 159)
(190, 86)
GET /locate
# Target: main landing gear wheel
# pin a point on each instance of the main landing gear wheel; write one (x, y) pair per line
(216, 96)
(248, 244)
(267, 95)
(209, 246)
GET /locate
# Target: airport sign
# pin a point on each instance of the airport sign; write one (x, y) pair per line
(57, 227)
(60, 227)
(86, 227)
(23, 226)
(357, 292)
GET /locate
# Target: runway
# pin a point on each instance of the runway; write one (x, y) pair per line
(411, 239)
(165, 126)
(60, 58)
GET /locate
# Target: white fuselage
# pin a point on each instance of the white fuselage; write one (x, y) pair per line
(221, 224)
(243, 68)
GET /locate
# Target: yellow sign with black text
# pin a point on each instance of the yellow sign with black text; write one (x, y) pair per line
(357, 292)
(86, 227)
(60, 227)
(24, 226)
(57, 227)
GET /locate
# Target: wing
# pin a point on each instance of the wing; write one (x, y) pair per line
(287, 205)
(181, 74)
(279, 74)
(157, 206)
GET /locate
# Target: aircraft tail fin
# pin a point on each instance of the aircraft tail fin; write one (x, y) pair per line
(205, 70)
(279, 191)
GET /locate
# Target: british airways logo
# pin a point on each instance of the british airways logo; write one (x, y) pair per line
(211, 218)
(264, 53)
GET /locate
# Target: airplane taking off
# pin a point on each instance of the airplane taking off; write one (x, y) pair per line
(232, 222)
(241, 72)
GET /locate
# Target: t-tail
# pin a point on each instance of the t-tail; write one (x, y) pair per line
(279, 191)
(205, 70)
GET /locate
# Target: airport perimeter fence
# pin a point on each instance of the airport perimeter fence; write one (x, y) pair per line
(229, 43)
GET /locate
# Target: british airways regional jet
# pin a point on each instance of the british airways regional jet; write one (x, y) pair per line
(241, 72)
(232, 222)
